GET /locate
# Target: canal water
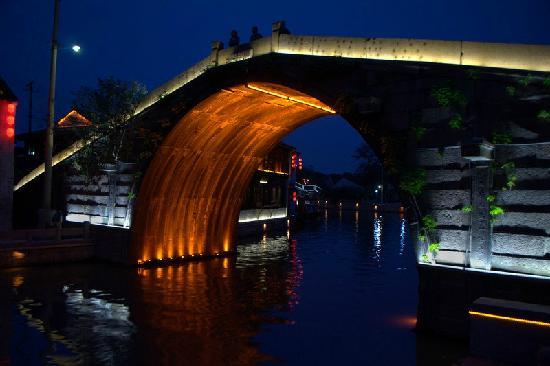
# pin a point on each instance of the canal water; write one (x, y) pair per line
(341, 290)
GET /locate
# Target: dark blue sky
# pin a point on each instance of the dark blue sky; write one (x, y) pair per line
(152, 41)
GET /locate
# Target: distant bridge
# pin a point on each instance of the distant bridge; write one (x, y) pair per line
(221, 116)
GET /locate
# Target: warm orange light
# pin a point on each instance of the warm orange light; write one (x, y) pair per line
(192, 197)
(11, 108)
(405, 321)
(74, 119)
(10, 120)
(18, 255)
(18, 281)
(509, 318)
(271, 171)
(10, 132)
(290, 98)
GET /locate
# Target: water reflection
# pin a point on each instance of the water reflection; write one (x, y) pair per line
(203, 311)
(402, 231)
(259, 307)
(377, 235)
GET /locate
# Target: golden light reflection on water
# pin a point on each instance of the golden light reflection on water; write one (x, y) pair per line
(205, 310)
(403, 321)
(192, 311)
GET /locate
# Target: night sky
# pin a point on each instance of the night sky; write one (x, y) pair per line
(153, 41)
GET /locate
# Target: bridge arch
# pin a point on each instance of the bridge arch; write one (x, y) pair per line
(190, 197)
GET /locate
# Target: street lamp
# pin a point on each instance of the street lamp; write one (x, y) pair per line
(46, 213)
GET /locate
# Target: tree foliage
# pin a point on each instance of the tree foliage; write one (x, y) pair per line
(108, 107)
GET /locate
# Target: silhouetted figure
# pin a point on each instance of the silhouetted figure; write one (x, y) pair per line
(255, 34)
(280, 27)
(234, 40)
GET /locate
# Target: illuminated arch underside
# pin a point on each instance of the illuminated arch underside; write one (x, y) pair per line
(191, 194)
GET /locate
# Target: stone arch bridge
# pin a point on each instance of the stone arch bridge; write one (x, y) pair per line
(429, 109)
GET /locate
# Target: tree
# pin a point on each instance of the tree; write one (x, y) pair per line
(108, 107)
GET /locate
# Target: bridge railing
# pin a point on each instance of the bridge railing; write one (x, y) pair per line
(494, 55)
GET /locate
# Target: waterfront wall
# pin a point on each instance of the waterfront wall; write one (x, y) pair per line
(106, 199)
(520, 238)
(446, 294)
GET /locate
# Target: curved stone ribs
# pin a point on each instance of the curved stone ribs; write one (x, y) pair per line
(191, 194)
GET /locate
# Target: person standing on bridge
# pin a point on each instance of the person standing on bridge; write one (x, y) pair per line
(255, 34)
(234, 40)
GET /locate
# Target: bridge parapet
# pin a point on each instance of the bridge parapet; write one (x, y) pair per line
(478, 54)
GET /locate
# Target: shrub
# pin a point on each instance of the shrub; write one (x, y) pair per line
(413, 181)
(446, 96)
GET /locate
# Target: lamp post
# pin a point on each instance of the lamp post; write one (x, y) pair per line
(47, 193)
(46, 212)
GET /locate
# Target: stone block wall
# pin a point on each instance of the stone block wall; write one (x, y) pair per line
(520, 238)
(447, 192)
(106, 199)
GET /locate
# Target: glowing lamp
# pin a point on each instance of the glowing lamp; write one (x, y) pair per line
(293, 161)
(7, 117)
(76, 48)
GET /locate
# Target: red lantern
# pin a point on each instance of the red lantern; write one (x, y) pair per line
(293, 161)
(7, 117)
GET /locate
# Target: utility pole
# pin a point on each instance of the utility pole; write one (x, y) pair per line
(48, 151)
(29, 130)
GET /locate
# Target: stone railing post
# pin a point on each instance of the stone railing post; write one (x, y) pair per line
(111, 171)
(277, 28)
(215, 47)
(479, 154)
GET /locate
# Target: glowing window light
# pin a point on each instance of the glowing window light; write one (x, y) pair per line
(263, 181)
(272, 171)
(509, 318)
(292, 99)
